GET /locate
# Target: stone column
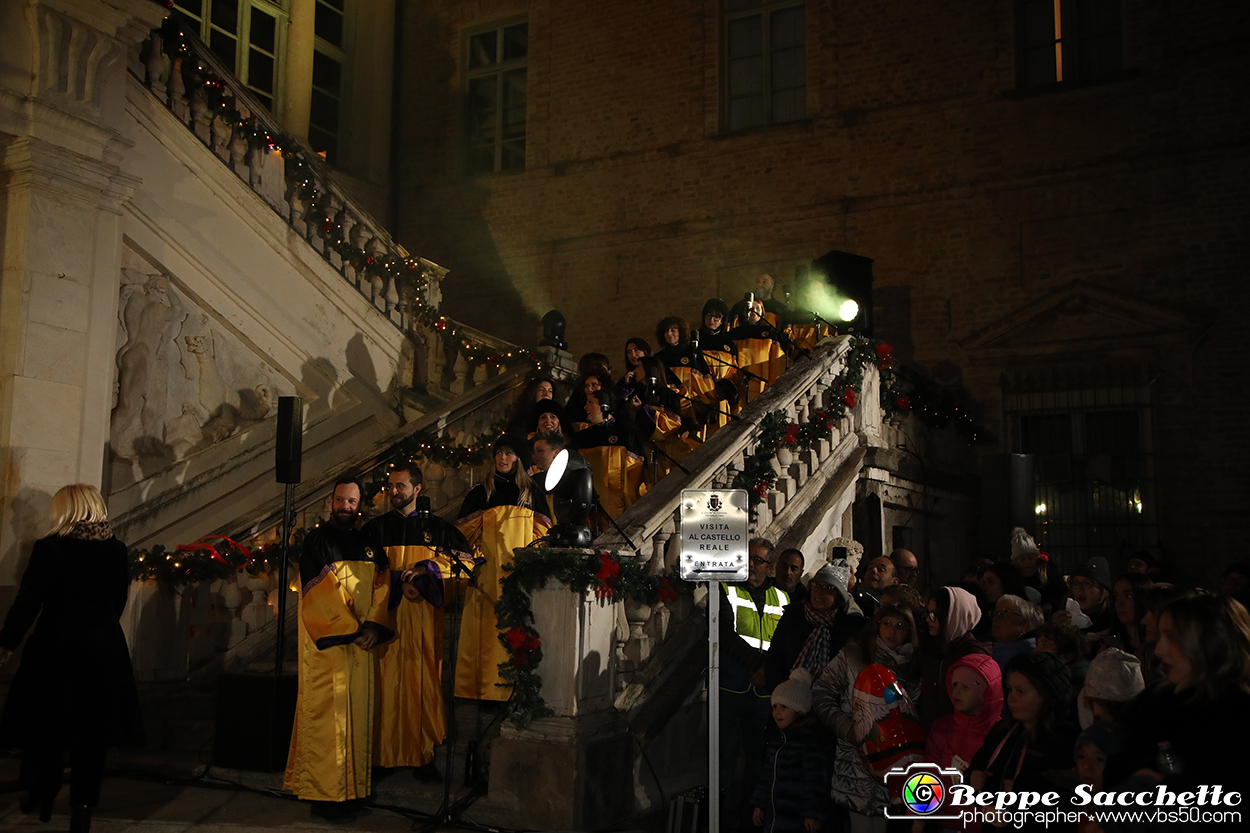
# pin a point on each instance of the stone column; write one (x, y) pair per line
(573, 771)
(62, 117)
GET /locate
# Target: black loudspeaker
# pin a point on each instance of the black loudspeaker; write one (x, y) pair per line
(851, 277)
(255, 715)
(290, 447)
(1007, 501)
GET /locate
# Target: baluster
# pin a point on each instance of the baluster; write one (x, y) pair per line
(479, 375)
(221, 138)
(342, 221)
(238, 155)
(232, 601)
(437, 361)
(154, 66)
(392, 296)
(460, 370)
(358, 242)
(200, 117)
(257, 613)
(332, 210)
(177, 101)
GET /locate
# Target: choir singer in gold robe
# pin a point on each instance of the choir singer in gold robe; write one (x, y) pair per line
(420, 547)
(343, 614)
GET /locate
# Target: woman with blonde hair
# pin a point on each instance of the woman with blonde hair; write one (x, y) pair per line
(503, 512)
(75, 689)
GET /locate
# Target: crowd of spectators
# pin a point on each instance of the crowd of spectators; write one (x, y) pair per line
(1020, 677)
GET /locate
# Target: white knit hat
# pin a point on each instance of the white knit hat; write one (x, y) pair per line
(1113, 675)
(795, 692)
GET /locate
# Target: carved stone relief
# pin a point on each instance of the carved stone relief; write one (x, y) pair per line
(183, 383)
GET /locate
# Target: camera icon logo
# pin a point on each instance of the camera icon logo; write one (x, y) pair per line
(923, 791)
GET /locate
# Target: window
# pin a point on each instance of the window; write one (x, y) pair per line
(765, 63)
(1093, 467)
(325, 109)
(1069, 40)
(247, 36)
(496, 98)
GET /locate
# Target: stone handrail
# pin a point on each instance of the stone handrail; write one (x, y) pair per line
(806, 480)
(205, 96)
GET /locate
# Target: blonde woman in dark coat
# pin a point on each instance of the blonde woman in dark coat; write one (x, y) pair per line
(75, 689)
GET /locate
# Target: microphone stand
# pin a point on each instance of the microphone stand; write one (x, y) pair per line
(448, 813)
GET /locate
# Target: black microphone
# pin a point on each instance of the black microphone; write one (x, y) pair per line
(694, 341)
(423, 505)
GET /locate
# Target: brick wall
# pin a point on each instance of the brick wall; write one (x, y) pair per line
(973, 199)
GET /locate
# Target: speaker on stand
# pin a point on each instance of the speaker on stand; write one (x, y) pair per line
(256, 712)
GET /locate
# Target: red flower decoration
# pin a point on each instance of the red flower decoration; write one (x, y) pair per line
(494, 360)
(516, 638)
(884, 350)
(903, 403)
(850, 397)
(532, 642)
(411, 265)
(440, 325)
(607, 574)
(520, 660)
(667, 594)
(327, 227)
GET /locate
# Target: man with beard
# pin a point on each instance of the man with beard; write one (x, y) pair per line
(344, 595)
(419, 549)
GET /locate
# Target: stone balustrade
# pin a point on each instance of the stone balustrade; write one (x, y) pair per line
(626, 676)
(209, 100)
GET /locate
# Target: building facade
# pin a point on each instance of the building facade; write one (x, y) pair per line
(1052, 193)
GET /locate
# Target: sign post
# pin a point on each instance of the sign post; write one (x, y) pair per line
(714, 549)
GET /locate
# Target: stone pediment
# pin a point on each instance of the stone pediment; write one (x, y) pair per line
(1081, 316)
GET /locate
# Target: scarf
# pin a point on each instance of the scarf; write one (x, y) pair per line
(814, 655)
(89, 531)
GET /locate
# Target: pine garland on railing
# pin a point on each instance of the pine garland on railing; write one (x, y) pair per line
(211, 558)
(610, 577)
(411, 273)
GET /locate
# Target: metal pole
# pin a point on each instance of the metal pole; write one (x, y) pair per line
(288, 509)
(713, 706)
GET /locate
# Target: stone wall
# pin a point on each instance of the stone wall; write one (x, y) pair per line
(982, 205)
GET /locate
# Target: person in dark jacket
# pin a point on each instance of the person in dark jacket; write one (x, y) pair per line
(75, 688)
(1036, 736)
(811, 633)
(792, 793)
(951, 613)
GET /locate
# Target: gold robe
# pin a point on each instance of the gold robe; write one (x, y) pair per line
(762, 355)
(411, 715)
(331, 753)
(494, 531)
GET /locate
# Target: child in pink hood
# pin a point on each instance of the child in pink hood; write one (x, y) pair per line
(975, 686)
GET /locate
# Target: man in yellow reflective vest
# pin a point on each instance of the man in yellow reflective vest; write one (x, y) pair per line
(749, 613)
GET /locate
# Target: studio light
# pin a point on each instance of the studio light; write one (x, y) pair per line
(569, 482)
(848, 310)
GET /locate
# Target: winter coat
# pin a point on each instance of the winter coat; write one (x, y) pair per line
(961, 735)
(854, 784)
(794, 784)
(792, 633)
(1006, 756)
(75, 682)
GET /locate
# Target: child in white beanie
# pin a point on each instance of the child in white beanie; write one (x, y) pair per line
(793, 789)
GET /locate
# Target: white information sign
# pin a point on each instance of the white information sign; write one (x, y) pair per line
(714, 534)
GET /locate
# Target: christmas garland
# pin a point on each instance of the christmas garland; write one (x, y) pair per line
(411, 273)
(938, 408)
(211, 558)
(611, 578)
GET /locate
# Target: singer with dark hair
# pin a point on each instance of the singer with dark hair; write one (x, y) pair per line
(612, 446)
(762, 349)
(720, 355)
(696, 384)
(343, 615)
(420, 549)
